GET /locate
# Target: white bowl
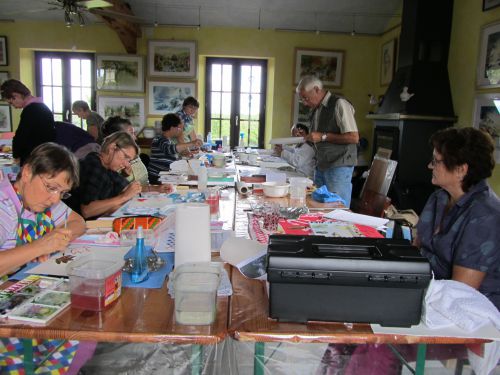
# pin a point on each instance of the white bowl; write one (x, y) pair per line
(275, 189)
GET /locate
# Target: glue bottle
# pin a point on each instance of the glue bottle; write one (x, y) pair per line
(242, 140)
(209, 140)
(140, 272)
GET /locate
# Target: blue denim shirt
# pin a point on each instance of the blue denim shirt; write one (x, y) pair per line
(469, 236)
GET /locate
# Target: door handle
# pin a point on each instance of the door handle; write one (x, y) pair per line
(237, 121)
(67, 115)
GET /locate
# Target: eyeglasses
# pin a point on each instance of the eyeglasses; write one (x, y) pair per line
(54, 190)
(435, 161)
(127, 157)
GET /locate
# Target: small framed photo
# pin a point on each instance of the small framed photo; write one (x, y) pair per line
(490, 4)
(4, 60)
(127, 107)
(327, 65)
(488, 68)
(120, 73)
(5, 118)
(487, 118)
(172, 58)
(300, 111)
(4, 76)
(167, 97)
(387, 62)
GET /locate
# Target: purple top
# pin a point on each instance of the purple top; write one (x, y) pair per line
(469, 236)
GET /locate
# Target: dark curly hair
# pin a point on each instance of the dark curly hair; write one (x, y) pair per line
(469, 146)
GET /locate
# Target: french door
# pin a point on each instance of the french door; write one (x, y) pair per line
(62, 78)
(236, 100)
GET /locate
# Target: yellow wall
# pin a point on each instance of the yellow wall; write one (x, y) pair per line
(360, 75)
(468, 18)
(361, 63)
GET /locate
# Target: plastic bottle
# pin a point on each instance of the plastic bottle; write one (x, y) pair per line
(209, 140)
(242, 140)
(202, 177)
(140, 272)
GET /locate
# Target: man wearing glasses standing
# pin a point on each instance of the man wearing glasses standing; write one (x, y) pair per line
(36, 125)
(334, 135)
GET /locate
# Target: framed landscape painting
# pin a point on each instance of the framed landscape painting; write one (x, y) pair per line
(387, 62)
(127, 107)
(172, 58)
(167, 97)
(3, 51)
(120, 73)
(5, 118)
(327, 65)
(487, 118)
(488, 68)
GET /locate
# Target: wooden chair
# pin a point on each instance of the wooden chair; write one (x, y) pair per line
(371, 203)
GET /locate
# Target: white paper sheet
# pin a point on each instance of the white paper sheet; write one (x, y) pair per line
(286, 141)
(351, 217)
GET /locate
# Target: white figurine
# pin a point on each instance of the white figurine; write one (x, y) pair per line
(405, 95)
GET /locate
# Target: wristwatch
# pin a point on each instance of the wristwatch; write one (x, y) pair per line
(323, 137)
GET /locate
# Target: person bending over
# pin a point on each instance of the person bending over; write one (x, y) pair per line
(102, 188)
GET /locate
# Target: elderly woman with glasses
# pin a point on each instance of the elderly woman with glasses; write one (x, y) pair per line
(33, 220)
(458, 228)
(102, 188)
(34, 223)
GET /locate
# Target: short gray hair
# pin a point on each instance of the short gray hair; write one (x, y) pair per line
(307, 83)
(51, 159)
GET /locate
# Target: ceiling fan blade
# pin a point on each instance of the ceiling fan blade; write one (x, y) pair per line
(91, 4)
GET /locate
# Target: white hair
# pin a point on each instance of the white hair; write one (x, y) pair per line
(307, 83)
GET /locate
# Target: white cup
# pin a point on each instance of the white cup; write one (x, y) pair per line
(243, 156)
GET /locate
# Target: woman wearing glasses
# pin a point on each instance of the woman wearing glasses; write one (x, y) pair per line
(458, 228)
(33, 220)
(34, 223)
(102, 188)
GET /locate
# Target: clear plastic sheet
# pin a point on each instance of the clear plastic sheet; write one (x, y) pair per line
(237, 357)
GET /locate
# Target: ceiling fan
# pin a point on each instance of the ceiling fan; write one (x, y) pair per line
(74, 9)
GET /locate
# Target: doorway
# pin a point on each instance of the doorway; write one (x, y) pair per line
(236, 100)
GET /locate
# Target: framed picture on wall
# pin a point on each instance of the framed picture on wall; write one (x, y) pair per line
(300, 111)
(487, 117)
(5, 118)
(327, 65)
(488, 68)
(3, 51)
(4, 76)
(490, 4)
(120, 73)
(166, 97)
(387, 62)
(172, 58)
(127, 107)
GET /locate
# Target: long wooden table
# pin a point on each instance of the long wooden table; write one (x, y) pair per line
(249, 312)
(139, 315)
(147, 315)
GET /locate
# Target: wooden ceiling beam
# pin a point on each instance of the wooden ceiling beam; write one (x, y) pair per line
(120, 18)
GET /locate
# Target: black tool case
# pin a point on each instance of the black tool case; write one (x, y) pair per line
(363, 280)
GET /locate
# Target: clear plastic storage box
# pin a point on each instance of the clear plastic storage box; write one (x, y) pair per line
(95, 281)
(195, 291)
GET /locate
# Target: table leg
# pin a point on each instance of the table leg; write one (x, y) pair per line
(29, 366)
(420, 367)
(196, 359)
(258, 359)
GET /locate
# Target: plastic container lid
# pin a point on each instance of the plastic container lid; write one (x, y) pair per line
(197, 277)
(94, 266)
